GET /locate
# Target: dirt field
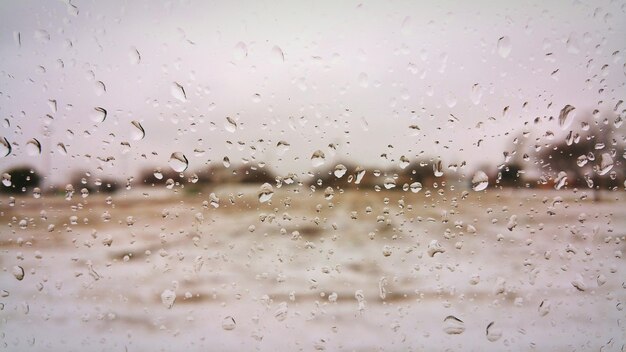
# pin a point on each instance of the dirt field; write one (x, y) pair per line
(364, 271)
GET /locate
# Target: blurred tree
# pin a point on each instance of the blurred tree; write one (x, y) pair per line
(23, 178)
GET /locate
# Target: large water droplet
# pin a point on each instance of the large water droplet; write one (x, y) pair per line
(228, 323)
(138, 132)
(480, 181)
(178, 92)
(266, 192)
(566, 116)
(504, 46)
(438, 168)
(561, 179)
(493, 333)
(99, 114)
(18, 272)
(340, 170)
(453, 325)
(318, 158)
(389, 183)
(415, 187)
(33, 147)
(359, 172)
(5, 147)
(277, 55)
(606, 164)
(178, 162)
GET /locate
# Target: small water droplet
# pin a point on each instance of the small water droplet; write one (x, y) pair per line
(281, 312)
(228, 323)
(33, 147)
(438, 168)
(5, 147)
(340, 170)
(18, 272)
(493, 333)
(435, 247)
(178, 92)
(100, 88)
(566, 116)
(453, 325)
(606, 164)
(415, 187)
(138, 133)
(178, 162)
(230, 125)
(277, 55)
(134, 56)
(389, 183)
(329, 193)
(560, 181)
(544, 307)
(480, 181)
(318, 158)
(504, 46)
(6, 180)
(226, 162)
(266, 192)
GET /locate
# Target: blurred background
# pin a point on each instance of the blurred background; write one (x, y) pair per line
(187, 175)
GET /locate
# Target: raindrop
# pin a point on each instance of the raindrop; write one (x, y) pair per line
(228, 323)
(480, 181)
(404, 162)
(265, 192)
(415, 187)
(359, 172)
(281, 312)
(100, 88)
(282, 147)
(53, 105)
(453, 325)
(138, 133)
(168, 297)
(6, 180)
(504, 46)
(579, 283)
(226, 162)
(560, 181)
(33, 147)
(329, 193)
(178, 92)
(389, 183)
(566, 117)
(606, 164)
(178, 162)
(42, 36)
(438, 168)
(99, 114)
(277, 55)
(5, 147)
(493, 333)
(158, 174)
(435, 247)
(544, 308)
(318, 158)
(134, 56)
(230, 125)
(18, 272)
(340, 170)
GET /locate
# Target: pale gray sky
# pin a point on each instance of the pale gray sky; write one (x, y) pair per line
(357, 74)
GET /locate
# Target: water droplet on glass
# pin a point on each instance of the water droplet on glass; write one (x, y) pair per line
(137, 132)
(230, 125)
(134, 56)
(359, 172)
(480, 181)
(504, 46)
(435, 247)
(178, 92)
(340, 170)
(453, 325)
(561, 179)
(438, 168)
(99, 114)
(318, 158)
(41, 35)
(33, 147)
(277, 55)
(493, 333)
(178, 162)
(228, 323)
(6, 180)
(389, 183)
(329, 193)
(18, 272)
(5, 147)
(544, 307)
(281, 312)
(606, 164)
(566, 116)
(265, 192)
(226, 162)
(100, 88)
(168, 297)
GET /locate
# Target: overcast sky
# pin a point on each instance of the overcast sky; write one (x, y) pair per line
(356, 74)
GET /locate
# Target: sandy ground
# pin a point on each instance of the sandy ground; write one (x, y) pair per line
(359, 272)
